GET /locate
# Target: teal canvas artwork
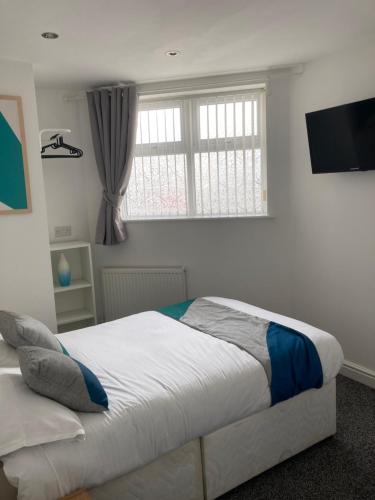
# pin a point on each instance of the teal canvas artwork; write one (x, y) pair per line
(14, 178)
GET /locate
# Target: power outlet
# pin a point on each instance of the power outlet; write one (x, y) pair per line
(63, 231)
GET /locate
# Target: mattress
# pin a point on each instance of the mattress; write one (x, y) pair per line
(167, 385)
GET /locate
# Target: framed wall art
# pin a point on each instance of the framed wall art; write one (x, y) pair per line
(14, 174)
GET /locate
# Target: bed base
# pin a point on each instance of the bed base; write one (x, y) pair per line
(208, 467)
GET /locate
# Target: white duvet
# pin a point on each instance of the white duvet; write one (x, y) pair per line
(166, 384)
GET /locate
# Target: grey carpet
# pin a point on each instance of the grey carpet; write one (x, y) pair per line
(339, 468)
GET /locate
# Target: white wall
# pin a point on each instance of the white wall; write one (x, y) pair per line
(314, 259)
(333, 243)
(64, 178)
(25, 271)
(245, 259)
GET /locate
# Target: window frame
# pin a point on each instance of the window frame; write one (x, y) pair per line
(188, 103)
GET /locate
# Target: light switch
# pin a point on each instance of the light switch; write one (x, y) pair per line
(63, 231)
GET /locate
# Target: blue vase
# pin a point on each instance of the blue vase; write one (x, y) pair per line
(63, 271)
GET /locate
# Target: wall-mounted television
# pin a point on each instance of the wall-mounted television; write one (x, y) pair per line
(342, 139)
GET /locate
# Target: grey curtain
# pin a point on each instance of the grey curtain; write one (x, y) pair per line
(113, 119)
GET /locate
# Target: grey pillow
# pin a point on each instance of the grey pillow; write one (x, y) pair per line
(62, 378)
(21, 330)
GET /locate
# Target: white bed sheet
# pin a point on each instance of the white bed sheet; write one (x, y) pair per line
(167, 384)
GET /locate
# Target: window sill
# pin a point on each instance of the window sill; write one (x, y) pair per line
(208, 218)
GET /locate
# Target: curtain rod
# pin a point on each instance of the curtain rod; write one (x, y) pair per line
(257, 78)
(114, 85)
(185, 89)
(194, 84)
(82, 94)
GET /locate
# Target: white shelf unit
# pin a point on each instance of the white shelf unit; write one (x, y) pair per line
(75, 304)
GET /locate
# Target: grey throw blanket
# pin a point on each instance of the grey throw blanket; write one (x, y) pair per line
(243, 330)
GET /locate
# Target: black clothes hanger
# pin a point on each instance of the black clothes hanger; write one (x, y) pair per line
(59, 143)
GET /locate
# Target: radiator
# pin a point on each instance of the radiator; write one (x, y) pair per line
(129, 290)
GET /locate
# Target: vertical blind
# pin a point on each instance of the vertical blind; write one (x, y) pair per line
(200, 157)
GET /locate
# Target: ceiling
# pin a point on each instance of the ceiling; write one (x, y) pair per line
(106, 41)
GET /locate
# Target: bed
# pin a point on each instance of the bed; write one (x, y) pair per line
(189, 418)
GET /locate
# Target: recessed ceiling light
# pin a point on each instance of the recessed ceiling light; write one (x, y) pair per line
(173, 53)
(49, 35)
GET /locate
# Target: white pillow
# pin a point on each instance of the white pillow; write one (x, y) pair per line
(27, 419)
(8, 355)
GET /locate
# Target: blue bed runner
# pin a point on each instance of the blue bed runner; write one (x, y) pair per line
(289, 358)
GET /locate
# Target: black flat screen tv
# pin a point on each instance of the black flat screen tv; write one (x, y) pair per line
(342, 139)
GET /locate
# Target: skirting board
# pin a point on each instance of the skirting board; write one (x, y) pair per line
(358, 373)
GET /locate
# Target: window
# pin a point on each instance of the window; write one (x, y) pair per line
(199, 157)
